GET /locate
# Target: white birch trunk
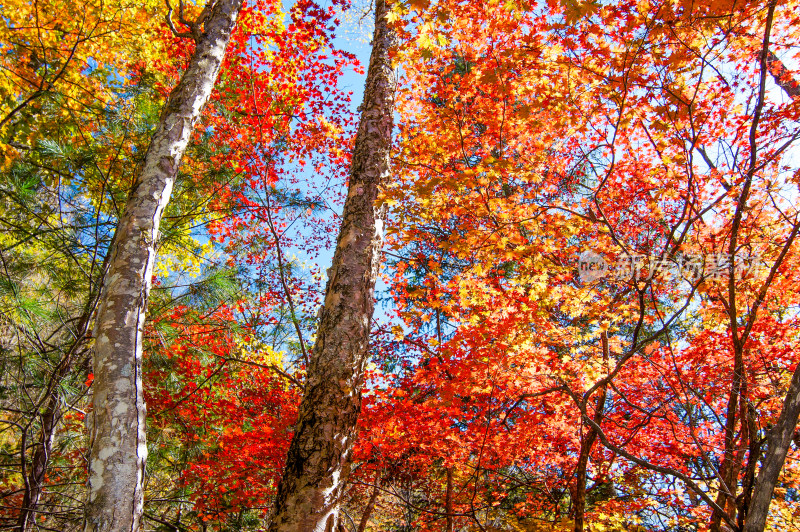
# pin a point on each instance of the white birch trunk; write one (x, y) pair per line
(318, 462)
(117, 426)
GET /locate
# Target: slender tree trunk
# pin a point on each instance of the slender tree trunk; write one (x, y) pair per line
(780, 437)
(753, 457)
(362, 526)
(448, 500)
(117, 428)
(34, 485)
(778, 442)
(731, 456)
(586, 449)
(318, 462)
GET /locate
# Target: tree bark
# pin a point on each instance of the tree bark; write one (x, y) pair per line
(753, 457)
(778, 442)
(780, 437)
(448, 500)
(318, 461)
(731, 457)
(362, 526)
(586, 448)
(118, 448)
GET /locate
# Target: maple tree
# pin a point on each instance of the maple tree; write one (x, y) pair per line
(319, 457)
(591, 267)
(178, 244)
(220, 415)
(529, 154)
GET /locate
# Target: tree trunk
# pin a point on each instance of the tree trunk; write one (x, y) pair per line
(362, 526)
(780, 438)
(730, 464)
(117, 428)
(318, 461)
(34, 485)
(586, 448)
(448, 500)
(753, 457)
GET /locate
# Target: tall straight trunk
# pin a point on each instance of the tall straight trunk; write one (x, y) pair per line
(117, 425)
(318, 462)
(780, 437)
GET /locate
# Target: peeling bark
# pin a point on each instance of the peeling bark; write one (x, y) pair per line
(318, 462)
(117, 425)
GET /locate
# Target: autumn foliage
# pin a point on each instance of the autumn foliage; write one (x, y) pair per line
(588, 313)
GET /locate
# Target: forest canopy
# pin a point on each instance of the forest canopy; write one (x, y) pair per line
(542, 276)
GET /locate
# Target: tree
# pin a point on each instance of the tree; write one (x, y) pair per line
(627, 131)
(318, 462)
(70, 162)
(118, 436)
(593, 266)
(62, 180)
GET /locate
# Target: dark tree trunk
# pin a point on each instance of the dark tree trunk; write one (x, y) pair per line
(362, 526)
(448, 500)
(586, 448)
(34, 483)
(780, 437)
(50, 417)
(778, 442)
(318, 462)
